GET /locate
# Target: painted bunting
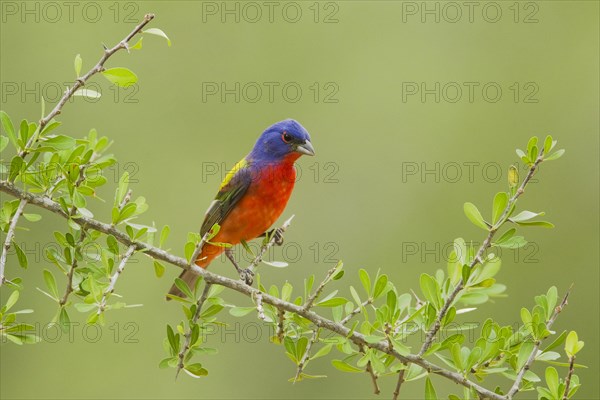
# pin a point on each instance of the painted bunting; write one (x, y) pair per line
(254, 193)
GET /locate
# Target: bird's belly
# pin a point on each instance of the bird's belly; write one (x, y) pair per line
(260, 207)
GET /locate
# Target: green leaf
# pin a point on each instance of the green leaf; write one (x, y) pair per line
(173, 339)
(514, 242)
(241, 311)
(333, 302)
(323, 351)
(276, 264)
(526, 317)
(524, 157)
(195, 370)
(532, 143)
(3, 142)
(120, 76)
(365, 280)
(59, 142)
(8, 128)
(12, 300)
(552, 381)
(21, 256)
(524, 353)
(137, 45)
(51, 283)
(158, 32)
(556, 155)
(552, 297)
(89, 93)
(32, 217)
(78, 64)
(380, 286)
(183, 287)
(430, 393)
(63, 320)
(500, 202)
(159, 269)
(513, 177)
(543, 224)
(189, 249)
(164, 234)
(548, 144)
(525, 215)
(430, 289)
(344, 366)
(474, 215)
(15, 167)
(573, 345)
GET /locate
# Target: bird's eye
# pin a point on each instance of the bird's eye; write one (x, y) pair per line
(286, 137)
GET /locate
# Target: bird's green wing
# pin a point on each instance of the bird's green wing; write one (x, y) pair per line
(232, 189)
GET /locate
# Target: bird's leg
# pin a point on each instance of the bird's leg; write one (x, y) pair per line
(246, 275)
(278, 236)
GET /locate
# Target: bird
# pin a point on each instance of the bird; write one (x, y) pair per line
(253, 194)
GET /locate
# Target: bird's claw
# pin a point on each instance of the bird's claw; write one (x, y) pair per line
(276, 234)
(247, 276)
(278, 237)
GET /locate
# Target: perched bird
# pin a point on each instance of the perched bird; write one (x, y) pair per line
(254, 193)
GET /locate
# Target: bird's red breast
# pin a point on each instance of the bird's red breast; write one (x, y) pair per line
(261, 206)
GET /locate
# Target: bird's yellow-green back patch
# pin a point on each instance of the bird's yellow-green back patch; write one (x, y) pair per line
(241, 164)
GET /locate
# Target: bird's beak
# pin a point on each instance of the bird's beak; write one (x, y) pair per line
(306, 148)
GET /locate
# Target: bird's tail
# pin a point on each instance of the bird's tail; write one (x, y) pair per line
(189, 277)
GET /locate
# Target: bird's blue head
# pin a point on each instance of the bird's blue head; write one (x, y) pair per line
(284, 140)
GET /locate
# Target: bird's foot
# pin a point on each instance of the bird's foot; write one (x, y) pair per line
(275, 233)
(247, 276)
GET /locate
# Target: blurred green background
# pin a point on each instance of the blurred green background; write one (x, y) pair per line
(385, 191)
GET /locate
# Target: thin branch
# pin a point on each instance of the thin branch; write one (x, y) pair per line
(357, 310)
(240, 287)
(280, 321)
(311, 299)
(99, 67)
(126, 199)
(478, 257)
(569, 376)
(306, 355)
(370, 371)
(9, 236)
(188, 335)
(81, 81)
(399, 384)
(69, 288)
(259, 305)
(265, 247)
(515, 387)
(113, 280)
